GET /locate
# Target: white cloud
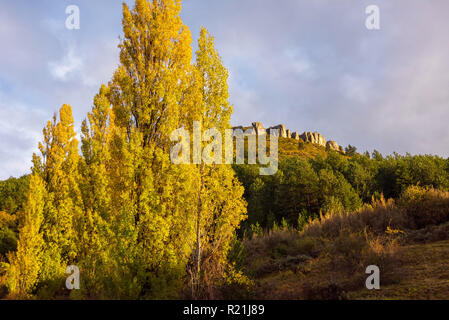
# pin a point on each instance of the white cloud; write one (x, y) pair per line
(309, 64)
(296, 61)
(20, 132)
(70, 64)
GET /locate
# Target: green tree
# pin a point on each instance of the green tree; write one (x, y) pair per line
(297, 189)
(335, 189)
(351, 150)
(13, 194)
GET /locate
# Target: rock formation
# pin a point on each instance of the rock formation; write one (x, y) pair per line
(258, 127)
(245, 130)
(278, 131)
(281, 132)
(314, 137)
(333, 145)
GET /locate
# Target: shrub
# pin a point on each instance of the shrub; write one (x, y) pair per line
(375, 218)
(7, 220)
(8, 241)
(424, 206)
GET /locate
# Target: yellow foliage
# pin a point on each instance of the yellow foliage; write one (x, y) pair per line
(25, 264)
(7, 220)
(122, 211)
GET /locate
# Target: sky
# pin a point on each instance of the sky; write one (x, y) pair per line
(311, 65)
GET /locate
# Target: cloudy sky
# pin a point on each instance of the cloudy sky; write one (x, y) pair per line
(309, 64)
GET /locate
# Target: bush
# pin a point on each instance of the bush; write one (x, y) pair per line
(425, 206)
(429, 234)
(237, 253)
(8, 241)
(374, 218)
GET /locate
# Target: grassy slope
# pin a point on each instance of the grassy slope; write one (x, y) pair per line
(290, 147)
(421, 274)
(425, 274)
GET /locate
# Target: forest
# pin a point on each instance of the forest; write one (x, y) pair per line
(307, 184)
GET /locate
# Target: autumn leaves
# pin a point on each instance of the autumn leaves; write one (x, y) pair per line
(121, 211)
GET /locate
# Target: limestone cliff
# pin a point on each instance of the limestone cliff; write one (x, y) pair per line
(280, 131)
(314, 137)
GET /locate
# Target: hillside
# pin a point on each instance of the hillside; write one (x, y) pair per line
(425, 275)
(422, 274)
(292, 147)
(406, 239)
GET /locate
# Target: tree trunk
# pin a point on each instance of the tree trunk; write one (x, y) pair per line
(198, 233)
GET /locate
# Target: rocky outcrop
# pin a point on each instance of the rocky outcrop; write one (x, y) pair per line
(258, 127)
(333, 145)
(245, 130)
(278, 131)
(314, 137)
(295, 136)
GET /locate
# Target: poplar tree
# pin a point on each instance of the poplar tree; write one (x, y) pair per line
(96, 236)
(147, 99)
(25, 263)
(48, 238)
(220, 204)
(58, 166)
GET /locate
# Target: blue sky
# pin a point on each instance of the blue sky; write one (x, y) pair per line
(311, 65)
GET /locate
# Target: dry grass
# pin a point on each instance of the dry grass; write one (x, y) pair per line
(417, 209)
(289, 265)
(425, 275)
(290, 147)
(374, 218)
(328, 259)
